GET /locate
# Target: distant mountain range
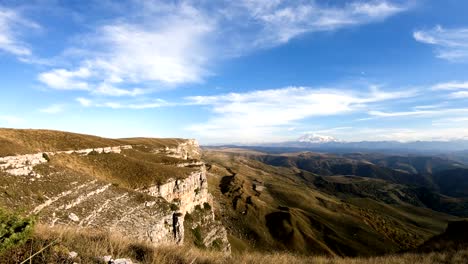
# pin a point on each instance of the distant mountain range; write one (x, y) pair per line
(321, 143)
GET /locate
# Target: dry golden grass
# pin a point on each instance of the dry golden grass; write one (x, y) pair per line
(153, 142)
(92, 245)
(125, 171)
(24, 141)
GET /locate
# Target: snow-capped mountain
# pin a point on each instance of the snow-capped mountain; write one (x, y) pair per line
(316, 139)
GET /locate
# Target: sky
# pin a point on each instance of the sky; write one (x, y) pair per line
(246, 71)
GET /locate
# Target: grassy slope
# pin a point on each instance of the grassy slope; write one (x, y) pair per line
(92, 245)
(129, 169)
(293, 214)
(18, 141)
(137, 168)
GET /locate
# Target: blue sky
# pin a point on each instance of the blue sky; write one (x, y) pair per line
(237, 71)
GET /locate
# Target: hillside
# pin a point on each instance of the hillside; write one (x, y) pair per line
(437, 182)
(269, 207)
(452, 239)
(139, 188)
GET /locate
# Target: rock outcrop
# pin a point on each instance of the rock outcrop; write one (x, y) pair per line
(22, 165)
(184, 193)
(189, 149)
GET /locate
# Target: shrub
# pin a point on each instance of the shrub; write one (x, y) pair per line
(207, 206)
(14, 230)
(46, 157)
(174, 207)
(93, 152)
(198, 238)
(188, 217)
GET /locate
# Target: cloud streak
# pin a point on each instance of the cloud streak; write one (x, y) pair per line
(455, 88)
(53, 109)
(280, 21)
(11, 24)
(450, 44)
(148, 104)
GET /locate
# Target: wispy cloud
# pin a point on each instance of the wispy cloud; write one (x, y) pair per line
(156, 103)
(430, 106)
(281, 21)
(148, 104)
(451, 44)
(459, 94)
(84, 101)
(53, 109)
(436, 112)
(263, 113)
(461, 120)
(450, 86)
(454, 87)
(11, 26)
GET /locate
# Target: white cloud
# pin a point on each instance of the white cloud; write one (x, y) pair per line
(53, 109)
(84, 102)
(171, 52)
(148, 104)
(453, 86)
(460, 94)
(156, 103)
(260, 114)
(107, 89)
(450, 86)
(11, 24)
(437, 112)
(168, 47)
(400, 114)
(431, 106)
(451, 44)
(63, 79)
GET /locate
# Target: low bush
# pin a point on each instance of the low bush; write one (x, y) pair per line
(14, 230)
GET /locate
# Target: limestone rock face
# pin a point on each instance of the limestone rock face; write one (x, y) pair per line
(22, 165)
(189, 149)
(185, 193)
(189, 195)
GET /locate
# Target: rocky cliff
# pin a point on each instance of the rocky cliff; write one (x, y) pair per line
(62, 189)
